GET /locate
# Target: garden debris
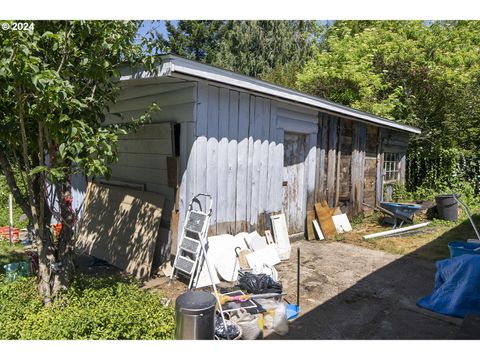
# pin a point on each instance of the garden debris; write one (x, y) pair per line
(121, 225)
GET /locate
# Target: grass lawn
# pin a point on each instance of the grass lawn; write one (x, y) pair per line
(429, 243)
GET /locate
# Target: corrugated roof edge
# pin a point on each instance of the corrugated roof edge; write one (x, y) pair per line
(172, 64)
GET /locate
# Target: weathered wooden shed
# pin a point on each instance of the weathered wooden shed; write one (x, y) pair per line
(257, 148)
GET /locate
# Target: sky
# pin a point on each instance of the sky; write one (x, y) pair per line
(157, 25)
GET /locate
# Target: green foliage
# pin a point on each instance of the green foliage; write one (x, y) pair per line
(399, 192)
(4, 212)
(272, 50)
(93, 308)
(10, 253)
(425, 75)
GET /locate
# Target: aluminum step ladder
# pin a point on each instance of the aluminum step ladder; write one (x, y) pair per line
(191, 247)
(194, 235)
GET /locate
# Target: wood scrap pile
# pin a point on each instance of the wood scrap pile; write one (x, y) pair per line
(325, 222)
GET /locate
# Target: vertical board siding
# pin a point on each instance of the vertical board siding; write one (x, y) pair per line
(238, 158)
(359, 135)
(232, 162)
(222, 165)
(201, 142)
(212, 151)
(332, 158)
(273, 162)
(311, 169)
(242, 163)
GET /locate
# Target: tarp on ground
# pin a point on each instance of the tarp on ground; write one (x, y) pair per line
(456, 290)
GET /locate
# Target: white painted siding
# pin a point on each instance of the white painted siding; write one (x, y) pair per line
(239, 154)
(143, 154)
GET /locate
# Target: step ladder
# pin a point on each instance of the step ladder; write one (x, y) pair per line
(194, 235)
(191, 247)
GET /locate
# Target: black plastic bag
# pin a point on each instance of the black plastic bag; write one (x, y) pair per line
(233, 329)
(259, 284)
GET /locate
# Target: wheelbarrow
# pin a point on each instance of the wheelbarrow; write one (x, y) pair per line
(399, 213)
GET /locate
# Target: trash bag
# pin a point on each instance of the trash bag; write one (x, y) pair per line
(232, 328)
(259, 284)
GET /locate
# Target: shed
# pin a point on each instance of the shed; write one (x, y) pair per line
(257, 148)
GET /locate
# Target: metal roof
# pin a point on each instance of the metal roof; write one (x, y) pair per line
(176, 66)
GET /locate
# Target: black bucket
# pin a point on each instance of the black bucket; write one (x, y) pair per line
(447, 207)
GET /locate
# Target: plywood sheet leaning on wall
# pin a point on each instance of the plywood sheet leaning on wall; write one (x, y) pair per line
(324, 215)
(121, 226)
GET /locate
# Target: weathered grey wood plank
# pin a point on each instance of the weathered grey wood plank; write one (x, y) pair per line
(181, 96)
(212, 151)
(222, 165)
(332, 158)
(338, 163)
(251, 137)
(359, 133)
(150, 146)
(311, 166)
(264, 152)
(242, 163)
(232, 161)
(279, 156)
(138, 91)
(201, 141)
(272, 179)
(256, 161)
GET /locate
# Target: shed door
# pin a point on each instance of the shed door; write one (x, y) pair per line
(294, 181)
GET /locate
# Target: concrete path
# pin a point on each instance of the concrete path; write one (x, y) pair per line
(350, 292)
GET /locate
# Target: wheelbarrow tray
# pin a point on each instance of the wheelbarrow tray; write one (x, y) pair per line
(401, 210)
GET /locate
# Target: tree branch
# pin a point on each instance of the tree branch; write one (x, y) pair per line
(20, 199)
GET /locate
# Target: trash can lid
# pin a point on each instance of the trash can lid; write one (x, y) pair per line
(194, 302)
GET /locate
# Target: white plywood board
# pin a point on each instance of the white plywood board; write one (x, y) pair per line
(342, 224)
(268, 256)
(280, 232)
(318, 230)
(255, 241)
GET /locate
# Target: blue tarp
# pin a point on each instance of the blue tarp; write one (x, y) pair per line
(456, 291)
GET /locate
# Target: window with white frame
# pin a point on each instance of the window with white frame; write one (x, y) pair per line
(390, 166)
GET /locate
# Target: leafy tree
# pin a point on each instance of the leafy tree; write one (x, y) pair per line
(56, 83)
(273, 50)
(422, 74)
(195, 40)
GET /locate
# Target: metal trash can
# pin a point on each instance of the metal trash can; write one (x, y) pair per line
(447, 207)
(195, 316)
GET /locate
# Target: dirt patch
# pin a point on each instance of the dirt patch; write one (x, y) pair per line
(350, 292)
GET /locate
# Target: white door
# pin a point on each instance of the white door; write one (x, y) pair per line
(294, 181)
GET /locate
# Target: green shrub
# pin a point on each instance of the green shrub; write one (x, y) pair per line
(4, 211)
(93, 308)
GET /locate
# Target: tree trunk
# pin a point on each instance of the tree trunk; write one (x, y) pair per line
(65, 244)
